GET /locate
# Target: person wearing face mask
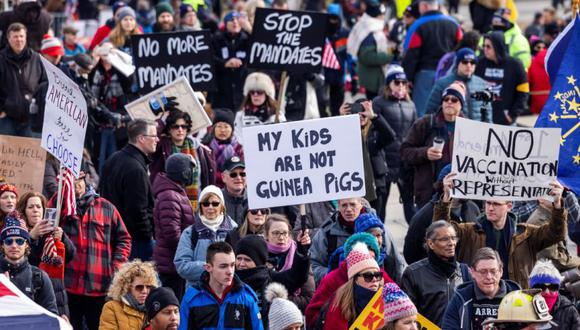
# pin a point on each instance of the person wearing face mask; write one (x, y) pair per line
(8, 198)
(172, 214)
(395, 105)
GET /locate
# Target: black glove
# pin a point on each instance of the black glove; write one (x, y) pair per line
(171, 104)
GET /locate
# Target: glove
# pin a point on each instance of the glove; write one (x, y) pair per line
(171, 104)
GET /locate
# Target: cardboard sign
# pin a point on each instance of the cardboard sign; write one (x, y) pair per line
(304, 161)
(183, 94)
(372, 317)
(287, 40)
(65, 119)
(22, 162)
(503, 162)
(161, 58)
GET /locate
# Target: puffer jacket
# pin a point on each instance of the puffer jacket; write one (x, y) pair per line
(172, 214)
(526, 242)
(565, 314)
(117, 315)
(400, 115)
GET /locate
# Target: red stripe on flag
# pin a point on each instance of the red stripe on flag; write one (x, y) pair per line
(329, 59)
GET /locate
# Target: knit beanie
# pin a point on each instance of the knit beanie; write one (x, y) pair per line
(14, 225)
(366, 221)
(283, 313)
(334, 9)
(124, 12)
(397, 303)
(184, 9)
(443, 173)
(258, 81)
(255, 247)
(158, 299)
(51, 46)
(465, 53)
(395, 72)
(163, 7)
(369, 240)
(179, 168)
(223, 116)
(544, 272)
(6, 187)
(118, 5)
(359, 259)
(213, 190)
(375, 9)
(456, 89)
(230, 16)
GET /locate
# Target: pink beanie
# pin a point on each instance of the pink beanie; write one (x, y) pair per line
(359, 259)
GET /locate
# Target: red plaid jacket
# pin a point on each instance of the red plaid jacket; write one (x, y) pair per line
(103, 244)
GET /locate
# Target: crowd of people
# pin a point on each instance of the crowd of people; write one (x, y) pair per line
(161, 235)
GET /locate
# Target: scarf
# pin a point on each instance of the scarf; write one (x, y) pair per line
(192, 190)
(348, 225)
(85, 200)
(261, 112)
(214, 224)
(290, 248)
(223, 150)
(550, 298)
(365, 26)
(448, 267)
(130, 301)
(362, 296)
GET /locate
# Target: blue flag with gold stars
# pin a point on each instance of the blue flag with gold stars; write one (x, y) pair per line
(563, 106)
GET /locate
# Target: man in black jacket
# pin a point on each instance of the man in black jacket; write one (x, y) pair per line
(125, 183)
(235, 196)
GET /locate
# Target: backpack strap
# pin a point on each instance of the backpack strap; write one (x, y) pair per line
(37, 282)
(194, 238)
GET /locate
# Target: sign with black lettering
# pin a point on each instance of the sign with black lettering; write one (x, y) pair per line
(22, 162)
(304, 161)
(503, 162)
(161, 58)
(287, 40)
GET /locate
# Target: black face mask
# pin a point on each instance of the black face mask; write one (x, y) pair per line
(333, 27)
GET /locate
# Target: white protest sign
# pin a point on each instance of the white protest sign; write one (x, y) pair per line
(503, 162)
(65, 119)
(304, 161)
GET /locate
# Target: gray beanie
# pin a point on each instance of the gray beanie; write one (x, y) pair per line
(179, 168)
(283, 313)
(124, 12)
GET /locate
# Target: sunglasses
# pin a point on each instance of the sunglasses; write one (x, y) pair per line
(551, 287)
(234, 175)
(400, 82)
(141, 287)
(256, 211)
(368, 277)
(9, 241)
(186, 127)
(207, 204)
(256, 92)
(466, 62)
(451, 99)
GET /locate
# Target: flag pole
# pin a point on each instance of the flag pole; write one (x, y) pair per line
(280, 95)
(59, 195)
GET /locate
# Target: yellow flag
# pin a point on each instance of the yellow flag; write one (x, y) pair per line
(372, 317)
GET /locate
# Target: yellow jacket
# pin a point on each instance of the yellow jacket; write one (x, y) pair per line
(117, 315)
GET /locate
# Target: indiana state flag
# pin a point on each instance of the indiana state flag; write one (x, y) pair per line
(563, 106)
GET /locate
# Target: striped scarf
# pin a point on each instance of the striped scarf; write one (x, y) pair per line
(193, 189)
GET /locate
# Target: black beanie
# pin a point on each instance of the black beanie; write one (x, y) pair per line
(375, 10)
(158, 299)
(223, 115)
(254, 246)
(179, 168)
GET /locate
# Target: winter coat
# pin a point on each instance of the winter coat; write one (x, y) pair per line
(565, 314)
(460, 308)
(36, 20)
(414, 153)
(236, 206)
(400, 115)
(189, 260)
(430, 289)
(201, 310)
(230, 81)
(473, 108)
(370, 65)
(539, 82)
(128, 168)
(117, 315)
(380, 135)
(172, 214)
(526, 242)
(518, 45)
(20, 77)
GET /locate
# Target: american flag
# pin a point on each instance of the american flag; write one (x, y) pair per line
(329, 59)
(68, 194)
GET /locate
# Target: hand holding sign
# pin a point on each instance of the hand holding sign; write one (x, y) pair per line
(447, 186)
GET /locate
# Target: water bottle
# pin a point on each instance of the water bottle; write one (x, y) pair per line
(33, 109)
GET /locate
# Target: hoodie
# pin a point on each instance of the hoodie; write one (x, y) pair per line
(507, 79)
(36, 20)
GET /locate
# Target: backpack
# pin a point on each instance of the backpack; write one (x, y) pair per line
(37, 282)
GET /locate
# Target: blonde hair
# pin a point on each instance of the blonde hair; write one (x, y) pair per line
(118, 37)
(125, 276)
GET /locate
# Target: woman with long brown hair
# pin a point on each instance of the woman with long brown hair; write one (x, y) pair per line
(126, 27)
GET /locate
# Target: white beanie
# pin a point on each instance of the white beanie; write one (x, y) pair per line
(283, 313)
(213, 190)
(260, 82)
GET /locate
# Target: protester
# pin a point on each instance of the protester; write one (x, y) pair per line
(125, 28)
(35, 19)
(400, 313)
(473, 302)
(519, 310)
(539, 81)
(162, 309)
(52, 50)
(431, 282)
(283, 315)
(188, 18)
(127, 293)
(172, 214)
(219, 290)
(128, 168)
(517, 43)
(254, 224)
(104, 30)
(470, 40)
(164, 18)
(234, 192)
(8, 200)
(70, 42)
(211, 224)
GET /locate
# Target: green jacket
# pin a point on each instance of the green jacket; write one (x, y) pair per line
(370, 65)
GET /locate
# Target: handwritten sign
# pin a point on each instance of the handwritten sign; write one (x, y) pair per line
(65, 119)
(22, 162)
(503, 162)
(161, 58)
(304, 161)
(287, 40)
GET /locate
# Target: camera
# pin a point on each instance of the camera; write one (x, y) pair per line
(485, 96)
(355, 108)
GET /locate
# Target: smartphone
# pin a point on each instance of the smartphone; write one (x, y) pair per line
(50, 215)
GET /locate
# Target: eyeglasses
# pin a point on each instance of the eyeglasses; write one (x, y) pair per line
(447, 239)
(234, 175)
(207, 204)
(485, 272)
(185, 127)
(141, 287)
(257, 93)
(256, 211)
(551, 287)
(494, 204)
(9, 241)
(280, 233)
(466, 62)
(400, 82)
(368, 277)
(451, 99)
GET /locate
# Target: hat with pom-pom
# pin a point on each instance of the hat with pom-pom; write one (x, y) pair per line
(397, 304)
(359, 259)
(366, 238)
(283, 313)
(544, 272)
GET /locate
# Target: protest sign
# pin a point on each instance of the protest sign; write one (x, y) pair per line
(65, 119)
(304, 161)
(183, 94)
(287, 40)
(503, 162)
(22, 162)
(161, 58)
(372, 317)
(425, 324)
